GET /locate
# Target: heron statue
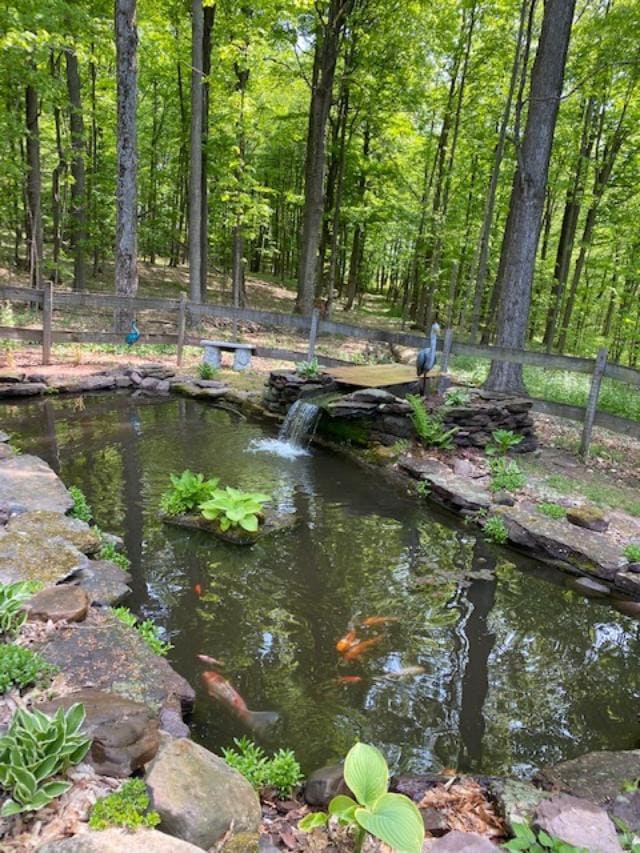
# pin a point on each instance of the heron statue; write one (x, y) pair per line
(133, 335)
(426, 358)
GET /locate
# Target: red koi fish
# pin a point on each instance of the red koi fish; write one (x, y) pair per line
(349, 679)
(345, 643)
(210, 660)
(222, 691)
(379, 620)
(198, 589)
(363, 646)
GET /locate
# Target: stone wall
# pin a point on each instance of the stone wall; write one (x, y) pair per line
(487, 411)
(284, 387)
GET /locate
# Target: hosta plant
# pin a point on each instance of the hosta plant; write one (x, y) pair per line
(502, 441)
(12, 598)
(187, 492)
(35, 748)
(235, 508)
(308, 369)
(392, 818)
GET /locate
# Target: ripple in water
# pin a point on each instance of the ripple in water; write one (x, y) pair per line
(278, 447)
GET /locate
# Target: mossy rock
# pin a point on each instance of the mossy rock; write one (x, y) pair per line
(588, 517)
(342, 430)
(271, 522)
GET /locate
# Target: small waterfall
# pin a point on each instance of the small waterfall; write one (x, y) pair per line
(299, 423)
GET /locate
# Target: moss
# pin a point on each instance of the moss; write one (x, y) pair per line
(351, 431)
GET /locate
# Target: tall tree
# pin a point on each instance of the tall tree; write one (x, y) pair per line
(78, 195)
(195, 159)
(34, 187)
(522, 231)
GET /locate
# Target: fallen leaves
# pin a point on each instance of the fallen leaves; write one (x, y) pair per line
(463, 803)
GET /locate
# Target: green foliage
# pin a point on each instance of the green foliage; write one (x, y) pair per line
(457, 397)
(12, 597)
(281, 772)
(526, 840)
(502, 441)
(206, 371)
(428, 427)
(127, 807)
(505, 475)
(20, 667)
(629, 840)
(108, 551)
(423, 489)
(187, 492)
(80, 508)
(496, 530)
(552, 510)
(36, 748)
(308, 369)
(234, 508)
(632, 553)
(148, 630)
(392, 818)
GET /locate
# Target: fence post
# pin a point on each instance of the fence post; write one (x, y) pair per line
(592, 402)
(182, 323)
(47, 322)
(444, 365)
(313, 333)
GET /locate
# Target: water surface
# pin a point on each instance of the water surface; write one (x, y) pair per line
(518, 671)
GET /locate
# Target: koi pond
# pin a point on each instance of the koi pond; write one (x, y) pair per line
(487, 662)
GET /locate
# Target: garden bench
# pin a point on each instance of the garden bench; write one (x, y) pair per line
(241, 353)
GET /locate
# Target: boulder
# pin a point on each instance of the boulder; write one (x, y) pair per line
(324, 784)
(124, 733)
(104, 582)
(28, 482)
(579, 822)
(629, 581)
(9, 376)
(198, 796)
(462, 842)
(49, 524)
(626, 807)
(629, 608)
(516, 801)
(416, 785)
(38, 557)
(453, 491)
(6, 451)
(117, 840)
(588, 517)
(503, 498)
(4, 436)
(58, 603)
(22, 389)
(596, 776)
(589, 587)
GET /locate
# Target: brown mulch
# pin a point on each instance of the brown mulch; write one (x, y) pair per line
(463, 803)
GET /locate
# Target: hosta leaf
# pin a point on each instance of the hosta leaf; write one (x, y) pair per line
(26, 781)
(9, 808)
(250, 523)
(74, 718)
(344, 808)
(366, 773)
(45, 768)
(395, 820)
(79, 752)
(313, 821)
(55, 789)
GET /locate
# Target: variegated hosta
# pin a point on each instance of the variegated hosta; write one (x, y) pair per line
(35, 748)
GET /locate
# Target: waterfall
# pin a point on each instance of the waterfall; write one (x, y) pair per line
(299, 423)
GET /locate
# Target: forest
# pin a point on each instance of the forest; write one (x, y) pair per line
(474, 162)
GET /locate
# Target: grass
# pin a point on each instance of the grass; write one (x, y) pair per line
(552, 510)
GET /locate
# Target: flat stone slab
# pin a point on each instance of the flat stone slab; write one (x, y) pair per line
(118, 840)
(38, 558)
(190, 389)
(558, 540)
(273, 523)
(58, 603)
(103, 581)
(46, 524)
(22, 389)
(461, 842)
(578, 822)
(448, 488)
(596, 776)
(106, 654)
(516, 801)
(27, 482)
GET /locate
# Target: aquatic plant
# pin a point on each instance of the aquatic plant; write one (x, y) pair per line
(108, 551)
(632, 553)
(496, 530)
(392, 818)
(187, 492)
(235, 508)
(281, 772)
(148, 630)
(35, 748)
(552, 510)
(206, 371)
(12, 597)
(81, 508)
(429, 428)
(457, 397)
(20, 667)
(308, 369)
(502, 441)
(505, 475)
(127, 807)
(526, 840)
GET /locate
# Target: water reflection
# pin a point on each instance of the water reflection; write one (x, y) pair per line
(515, 670)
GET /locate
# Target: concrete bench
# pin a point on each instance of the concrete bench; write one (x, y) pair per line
(241, 353)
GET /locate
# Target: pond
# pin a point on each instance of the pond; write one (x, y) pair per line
(507, 669)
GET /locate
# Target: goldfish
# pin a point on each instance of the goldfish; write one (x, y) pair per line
(360, 648)
(347, 641)
(379, 620)
(349, 679)
(220, 689)
(198, 589)
(210, 660)
(407, 672)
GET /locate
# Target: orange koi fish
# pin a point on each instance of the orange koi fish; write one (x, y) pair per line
(349, 679)
(210, 660)
(198, 589)
(347, 641)
(363, 646)
(379, 620)
(222, 691)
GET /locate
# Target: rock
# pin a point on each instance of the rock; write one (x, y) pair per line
(448, 488)
(632, 567)
(6, 452)
(4, 436)
(373, 395)
(380, 454)
(93, 382)
(459, 842)
(626, 807)
(110, 656)
(589, 587)
(8, 376)
(629, 608)
(209, 383)
(588, 517)
(324, 784)
(104, 582)
(596, 776)
(149, 383)
(504, 498)
(117, 840)
(124, 734)
(29, 482)
(135, 377)
(198, 796)
(516, 801)
(45, 523)
(163, 387)
(579, 822)
(22, 389)
(558, 541)
(38, 557)
(243, 842)
(435, 823)
(416, 785)
(58, 603)
(629, 582)
(123, 382)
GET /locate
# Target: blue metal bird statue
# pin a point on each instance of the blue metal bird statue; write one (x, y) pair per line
(426, 358)
(133, 335)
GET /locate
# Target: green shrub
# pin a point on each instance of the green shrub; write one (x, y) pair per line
(127, 807)
(234, 508)
(526, 840)
(308, 369)
(505, 475)
(429, 428)
(36, 748)
(187, 492)
(206, 371)
(502, 441)
(392, 818)
(12, 597)
(632, 553)
(148, 630)
(457, 397)
(281, 772)
(20, 667)
(496, 530)
(80, 508)
(552, 510)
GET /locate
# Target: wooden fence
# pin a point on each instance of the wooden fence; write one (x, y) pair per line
(312, 327)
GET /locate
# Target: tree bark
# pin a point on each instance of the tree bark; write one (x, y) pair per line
(195, 159)
(208, 23)
(126, 266)
(34, 188)
(527, 195)
(78, 193)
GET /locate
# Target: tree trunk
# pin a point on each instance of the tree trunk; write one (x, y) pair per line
(238, 240)
(34, 188)
(195, 160)
(126, 267)
(522, 230)
(78, 194)
(208, 23)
